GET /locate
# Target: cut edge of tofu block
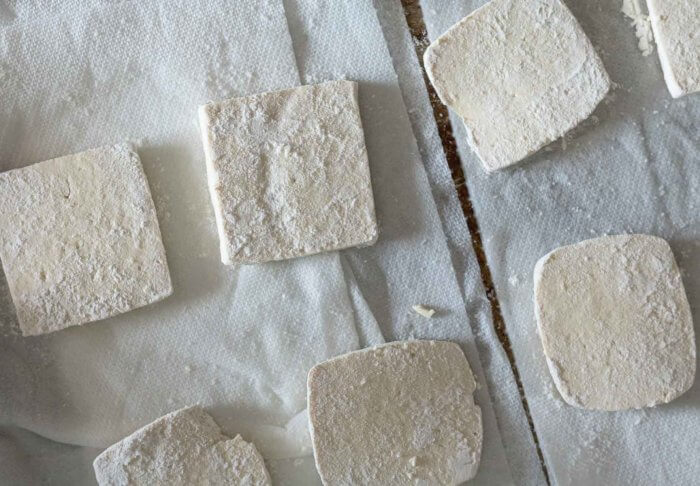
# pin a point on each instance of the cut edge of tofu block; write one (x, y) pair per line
(167, 288)
(489, 164)
(555, 369)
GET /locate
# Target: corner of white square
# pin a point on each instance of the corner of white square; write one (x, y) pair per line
(288, 173)
(79, 239)
(615, 322)
(520, 74)
(676, 27)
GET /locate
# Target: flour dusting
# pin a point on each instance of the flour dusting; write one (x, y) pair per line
(642, 25)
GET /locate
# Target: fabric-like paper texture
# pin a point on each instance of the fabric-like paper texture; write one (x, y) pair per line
(632, 167)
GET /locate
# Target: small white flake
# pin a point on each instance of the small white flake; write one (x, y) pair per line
(423, 311)
(642, 26)
(675, 27)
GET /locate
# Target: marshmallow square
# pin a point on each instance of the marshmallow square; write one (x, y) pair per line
(520, 74)
(288, 173)
(401, 413)
(182, 448)
(615, 322)
(79, 239)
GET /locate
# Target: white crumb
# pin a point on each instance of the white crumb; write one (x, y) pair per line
(423, 311)
(642, 25)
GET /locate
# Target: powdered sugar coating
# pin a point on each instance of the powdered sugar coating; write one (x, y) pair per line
(183, 448)
(519, 73)
(676, 26)
(79, 239)
(288, 173)
(401, 413)
(615, 322)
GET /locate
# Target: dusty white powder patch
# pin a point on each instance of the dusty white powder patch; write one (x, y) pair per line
(642, 25)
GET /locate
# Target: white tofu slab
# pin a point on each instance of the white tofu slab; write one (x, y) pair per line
(185, 448)
(400, 413)
(520, 74)
(288, 173)
(676, 26)
(79, 239)
(615, 322)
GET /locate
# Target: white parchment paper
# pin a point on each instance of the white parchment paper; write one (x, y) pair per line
(634, 166)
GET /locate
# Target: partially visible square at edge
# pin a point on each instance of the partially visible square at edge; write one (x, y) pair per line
(288, 173)
(676, 27)
(79, 239)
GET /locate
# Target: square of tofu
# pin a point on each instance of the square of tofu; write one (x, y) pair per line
(288, 173)
(79, 239)
(615, 322)
(676, 26)
(401, 413)
(520, 74)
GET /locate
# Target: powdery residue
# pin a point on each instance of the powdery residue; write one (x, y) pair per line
(642, 25)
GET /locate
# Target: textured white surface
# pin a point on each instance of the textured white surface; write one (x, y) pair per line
(631, 168)
(401, 413)
(615, 322)
(79, 239)
(676, 26)
(182, 448)
(288, 173)
(519, 73)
